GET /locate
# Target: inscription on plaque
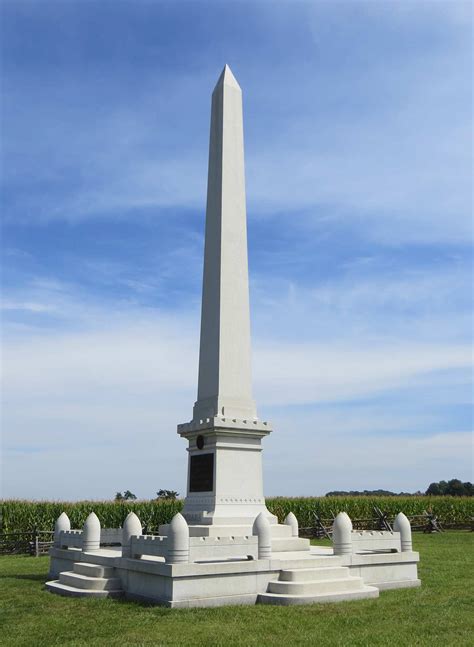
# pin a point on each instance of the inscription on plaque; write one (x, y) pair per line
(201, 473)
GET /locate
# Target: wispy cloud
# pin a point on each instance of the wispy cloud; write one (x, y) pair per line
(111, 374)
(118, 390)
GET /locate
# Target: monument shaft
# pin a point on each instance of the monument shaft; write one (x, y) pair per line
(224, 386)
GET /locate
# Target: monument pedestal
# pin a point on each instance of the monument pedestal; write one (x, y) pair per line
(224, 484)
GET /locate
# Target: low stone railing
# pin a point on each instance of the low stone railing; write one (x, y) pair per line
(153, 545)
(176, 547)
(200, 548)
(64, 537)
(348, 541)
(203, 548)
(179, 547)
(375, 540)
(69, 539)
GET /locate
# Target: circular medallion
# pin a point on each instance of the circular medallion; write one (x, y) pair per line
(200, 442)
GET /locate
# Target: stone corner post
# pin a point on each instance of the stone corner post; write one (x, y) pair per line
(91, 533)
(292, 521)
(341, 534)
(402, 525)
(178, 540)
(261, 528)
(62, 524)
(131, 528)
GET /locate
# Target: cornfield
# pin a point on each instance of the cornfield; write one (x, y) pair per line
(448, 509)
(23, 516)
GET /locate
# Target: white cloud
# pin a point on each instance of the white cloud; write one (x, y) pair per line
(25, 305)
(307, 373)
(352, 461)
(399, 175)
(376, 305)
(93, 405)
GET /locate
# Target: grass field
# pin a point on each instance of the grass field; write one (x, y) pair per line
(440, 612)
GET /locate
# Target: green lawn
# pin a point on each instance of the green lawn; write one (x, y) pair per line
(440, 612)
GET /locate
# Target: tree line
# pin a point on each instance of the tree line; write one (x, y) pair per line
(454, 487)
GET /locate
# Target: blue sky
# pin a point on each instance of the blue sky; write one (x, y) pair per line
(359, 188)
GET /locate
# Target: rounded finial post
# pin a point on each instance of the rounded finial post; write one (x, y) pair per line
(178, 540)
(292, 521)
(62, 523)
(91, 533)
(402, 525)
(131, 527)
(261, 528)
(341, 534)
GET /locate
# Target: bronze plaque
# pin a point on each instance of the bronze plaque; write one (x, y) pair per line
(201, 473)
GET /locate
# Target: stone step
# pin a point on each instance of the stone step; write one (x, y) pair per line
(314, 574)
(283, 544)
(89, 583)
(93, 570)
(302, 560)
(64, 589)
(316, 587)
(103, 559)
(340, 596)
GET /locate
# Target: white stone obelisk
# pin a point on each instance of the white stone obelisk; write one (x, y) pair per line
(225, 486)
(225, 382)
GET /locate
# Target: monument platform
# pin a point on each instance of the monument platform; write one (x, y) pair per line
(178, 570)
(315, 575)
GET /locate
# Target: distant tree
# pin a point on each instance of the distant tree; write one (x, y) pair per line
(126, 496)
(434, 489)
(454, 487)
(469, 488)
(169, 495)
(458, 488)
(443, 485)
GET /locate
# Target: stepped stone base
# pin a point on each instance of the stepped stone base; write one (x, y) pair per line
(287, 600)
(87, 581)
(287, 577)
(73, 592)
(318, 584)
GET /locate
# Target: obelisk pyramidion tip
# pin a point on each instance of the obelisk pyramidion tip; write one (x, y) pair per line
(227, 78)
